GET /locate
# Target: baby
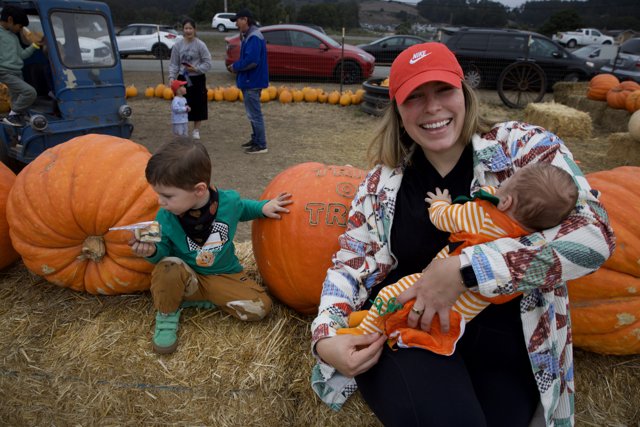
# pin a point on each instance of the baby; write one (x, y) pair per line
(537, 197)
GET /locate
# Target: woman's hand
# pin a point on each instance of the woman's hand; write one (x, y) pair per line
(435, 292)
(351, 355)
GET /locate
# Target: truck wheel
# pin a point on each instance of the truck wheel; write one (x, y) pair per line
(607, 42)
(571, 44)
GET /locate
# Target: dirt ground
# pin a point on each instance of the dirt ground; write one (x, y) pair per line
(296, 133)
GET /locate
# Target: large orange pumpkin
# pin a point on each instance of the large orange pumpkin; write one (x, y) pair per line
(617, 95)
(605, 305)
(294, 253)
(632, 103)
(64, 202)
(599, 86)
(7, 254)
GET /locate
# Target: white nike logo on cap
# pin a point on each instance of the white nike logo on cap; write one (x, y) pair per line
(418, 56)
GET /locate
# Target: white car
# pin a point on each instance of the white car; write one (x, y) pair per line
(222, 22)
(144, 39)
(92, 51)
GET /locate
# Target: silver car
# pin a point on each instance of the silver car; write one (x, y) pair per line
(626, 65)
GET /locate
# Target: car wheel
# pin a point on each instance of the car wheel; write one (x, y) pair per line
(161, 51)
(522, 83)
(350, 73)
(472, 76)
(571, 77)
(571, 44)
(222, 28)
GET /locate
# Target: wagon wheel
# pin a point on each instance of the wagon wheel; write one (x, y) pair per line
(521, 83)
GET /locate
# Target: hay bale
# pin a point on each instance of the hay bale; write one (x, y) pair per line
(624, 149)
(563, 91)
(560, 119)
(614, 120)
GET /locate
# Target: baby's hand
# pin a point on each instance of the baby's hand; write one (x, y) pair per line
(439, 195)
(142, 249)
(273, 206)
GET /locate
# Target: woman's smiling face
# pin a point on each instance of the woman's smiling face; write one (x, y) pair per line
(433, 116)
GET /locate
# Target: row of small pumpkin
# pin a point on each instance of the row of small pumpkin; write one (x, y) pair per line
(74, 248)
(283, 94)
(618, 95)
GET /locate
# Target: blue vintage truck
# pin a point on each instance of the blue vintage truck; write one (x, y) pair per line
(78, 78)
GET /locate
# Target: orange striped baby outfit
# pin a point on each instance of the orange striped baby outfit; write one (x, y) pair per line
(471, 223)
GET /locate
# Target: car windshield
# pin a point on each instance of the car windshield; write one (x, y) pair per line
(76, 36)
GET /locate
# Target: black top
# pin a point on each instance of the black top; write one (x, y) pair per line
(414, 239)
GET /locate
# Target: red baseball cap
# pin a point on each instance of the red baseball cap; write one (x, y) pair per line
(175, 84)
(420, 64)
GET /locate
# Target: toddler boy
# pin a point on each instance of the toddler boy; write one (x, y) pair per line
(179, 109)
(196, 264)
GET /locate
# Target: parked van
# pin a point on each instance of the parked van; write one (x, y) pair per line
(78, 79)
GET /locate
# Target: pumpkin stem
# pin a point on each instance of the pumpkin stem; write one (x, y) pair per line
(93, 249)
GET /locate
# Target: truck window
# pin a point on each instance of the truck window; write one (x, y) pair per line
(83, 39)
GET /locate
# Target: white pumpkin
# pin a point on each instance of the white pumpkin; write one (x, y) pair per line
(634, 126)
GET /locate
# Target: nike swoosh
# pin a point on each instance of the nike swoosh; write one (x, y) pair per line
(413, 61)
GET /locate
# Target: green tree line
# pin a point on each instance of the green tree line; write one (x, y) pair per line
(545, 16)
(329, 14)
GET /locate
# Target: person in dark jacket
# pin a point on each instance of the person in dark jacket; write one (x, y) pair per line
(252, 75)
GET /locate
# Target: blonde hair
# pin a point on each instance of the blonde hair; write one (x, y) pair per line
(544, 195)
(391, 144)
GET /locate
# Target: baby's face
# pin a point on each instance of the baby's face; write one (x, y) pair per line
(506, 187)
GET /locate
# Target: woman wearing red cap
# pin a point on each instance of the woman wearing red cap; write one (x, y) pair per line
(513, 357)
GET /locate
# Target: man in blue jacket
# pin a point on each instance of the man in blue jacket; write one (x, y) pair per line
(252, 76)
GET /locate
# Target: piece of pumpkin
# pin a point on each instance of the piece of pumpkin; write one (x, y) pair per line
(617, 95)
(293, 254)
(599, 86)
(606, 303)
(8, 255)
(64, 202)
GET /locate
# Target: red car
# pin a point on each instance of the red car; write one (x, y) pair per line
(300, 51)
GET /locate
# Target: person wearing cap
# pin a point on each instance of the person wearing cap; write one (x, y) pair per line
(252, 75)
(12, 21)
(179, 109)
(514, 358)
(190, 60)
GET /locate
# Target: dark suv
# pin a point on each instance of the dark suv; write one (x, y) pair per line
(485, 53)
